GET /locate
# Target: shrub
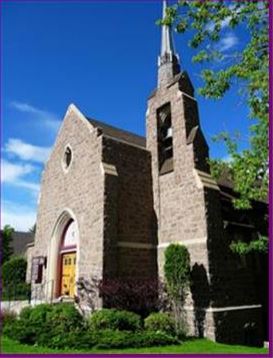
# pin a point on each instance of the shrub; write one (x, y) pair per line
(65, 316)
(122, 339)
(177, 273)
(45, 323)
(177, 269)
(13, 275)
(21, 332)
(25, 312)
(14, 271)
(160, 322)
(115, 319)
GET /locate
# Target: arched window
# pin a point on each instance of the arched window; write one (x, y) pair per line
(70, 236)
(165, 139)
(67, 158)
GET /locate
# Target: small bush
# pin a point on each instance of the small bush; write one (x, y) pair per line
(123, 339)
(65, 316)
(25, 312)
(160, 322)
(20, 332)
(61, 326)
(45, 323)
(115, 320)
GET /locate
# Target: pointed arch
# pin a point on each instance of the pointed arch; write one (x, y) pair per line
(58, 235)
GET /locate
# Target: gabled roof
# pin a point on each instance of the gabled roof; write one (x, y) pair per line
(119, 134)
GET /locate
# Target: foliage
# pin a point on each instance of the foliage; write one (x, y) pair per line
(139, 296)
(18, 292)
(7, 250)
(13, 276)
(61, 326)
(65, 316)
(45, 323)
(14, 270)
(177, 273)
(248, 69)
(243, 248)
(160, 322)
(7, 317)
(122, 339)
(115, 320)
(177, 270)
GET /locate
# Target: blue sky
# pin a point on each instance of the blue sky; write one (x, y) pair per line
(102, 56)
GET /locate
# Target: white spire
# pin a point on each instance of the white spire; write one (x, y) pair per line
(168, 60)
(166, 40)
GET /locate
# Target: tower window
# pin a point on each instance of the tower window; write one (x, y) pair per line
(165, 139)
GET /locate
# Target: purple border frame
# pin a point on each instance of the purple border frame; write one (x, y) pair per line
(270, 197)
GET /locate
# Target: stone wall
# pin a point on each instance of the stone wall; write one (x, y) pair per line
(130, 222)
(77, 191)
(188, 205)
(178, 195)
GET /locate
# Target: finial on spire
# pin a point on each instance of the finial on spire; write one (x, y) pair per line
(168, 61)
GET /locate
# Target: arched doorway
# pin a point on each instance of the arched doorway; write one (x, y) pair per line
(63, 249)
(68, 259)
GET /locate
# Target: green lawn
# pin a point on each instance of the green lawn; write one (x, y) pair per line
(190, 346)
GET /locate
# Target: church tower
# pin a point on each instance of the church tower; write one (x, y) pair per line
(189, 205)
(179, 153)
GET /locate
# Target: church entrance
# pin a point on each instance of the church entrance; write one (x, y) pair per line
(68, 260)
(68, 274)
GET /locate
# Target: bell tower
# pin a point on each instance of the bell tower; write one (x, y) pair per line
(188, 203)
(179, 152)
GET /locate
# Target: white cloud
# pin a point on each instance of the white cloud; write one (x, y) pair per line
(26, 151)
(49, 119)
(227, 42)
(13, 174)
(224, 23)
(20, 217)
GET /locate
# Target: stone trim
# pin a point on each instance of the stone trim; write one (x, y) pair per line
(199, 241)
(135, 245)
(233, 223)
(109, 169)
(207, 180)
(30, 244)
(224, 309)
(179, 93)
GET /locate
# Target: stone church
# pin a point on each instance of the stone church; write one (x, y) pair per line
(112, 201)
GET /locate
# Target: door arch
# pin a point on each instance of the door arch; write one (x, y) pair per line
(67, 260)
(59, 240)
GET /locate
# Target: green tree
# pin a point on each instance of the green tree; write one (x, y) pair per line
(6, 242)
(177, 274)
(248, 68)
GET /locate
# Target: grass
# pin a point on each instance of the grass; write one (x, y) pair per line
(190, 346)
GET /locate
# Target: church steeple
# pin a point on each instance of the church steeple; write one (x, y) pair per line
(168, 61)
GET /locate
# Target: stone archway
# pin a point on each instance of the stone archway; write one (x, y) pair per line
(56, 248)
